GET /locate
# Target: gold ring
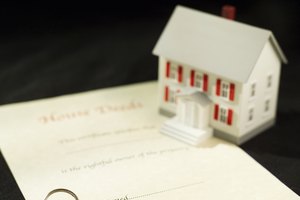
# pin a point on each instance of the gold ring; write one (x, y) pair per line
(63, 191)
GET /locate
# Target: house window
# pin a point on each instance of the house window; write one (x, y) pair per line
(170, 94)
(199, 80)
(267, 105)
(223, 114)
(174, 72)
(250, 114)
(253, 88)
(225, 89)
(171, 70)
(269, 81)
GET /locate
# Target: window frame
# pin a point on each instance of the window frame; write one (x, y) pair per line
(223, 117)
(170, 94)
(199, 75)
(267, 106)
(226, 91)
(269, 81)
(198, 80)
(223, 114)
(250, 117)
(253, 89)
(173, 72)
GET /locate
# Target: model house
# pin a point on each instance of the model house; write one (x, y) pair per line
(217, 76)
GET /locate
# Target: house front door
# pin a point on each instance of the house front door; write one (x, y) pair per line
(191, 114)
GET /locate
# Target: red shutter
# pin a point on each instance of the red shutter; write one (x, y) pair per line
(231, 93)
(168, 69)
(166, 93)
(229, 117)
(205, 82)
(192, 78)
(218, 89)
(216, 112)
(180, 74)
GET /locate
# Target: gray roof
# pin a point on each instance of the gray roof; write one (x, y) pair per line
(214, 44)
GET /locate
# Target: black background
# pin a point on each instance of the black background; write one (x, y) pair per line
(49, 49)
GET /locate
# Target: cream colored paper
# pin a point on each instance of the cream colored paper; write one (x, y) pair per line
(105, 145)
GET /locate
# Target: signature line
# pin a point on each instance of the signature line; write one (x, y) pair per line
(166, 190)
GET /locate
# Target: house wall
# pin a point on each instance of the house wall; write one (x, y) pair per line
(267, 64)
(170, 108)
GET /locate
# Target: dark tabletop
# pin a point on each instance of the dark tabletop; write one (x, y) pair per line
(52, 49)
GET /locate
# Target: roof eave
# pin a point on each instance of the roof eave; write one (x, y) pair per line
(278, 50)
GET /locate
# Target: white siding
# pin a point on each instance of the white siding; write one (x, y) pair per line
(267, 64)
(222, 102)
(234, 105)
(163, 82)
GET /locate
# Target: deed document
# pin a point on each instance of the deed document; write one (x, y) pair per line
(106, 145)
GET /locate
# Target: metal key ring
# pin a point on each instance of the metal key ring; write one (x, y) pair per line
(63, 191)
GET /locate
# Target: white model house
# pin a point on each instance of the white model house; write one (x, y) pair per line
(217, 75)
